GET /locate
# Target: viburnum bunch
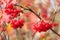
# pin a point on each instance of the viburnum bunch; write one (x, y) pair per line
(17, 23)
(43, 26)
(11, 10)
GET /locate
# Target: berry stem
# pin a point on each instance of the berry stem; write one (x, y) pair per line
(39, 17)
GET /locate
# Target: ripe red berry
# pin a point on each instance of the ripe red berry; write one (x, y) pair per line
(21, 22)
(14, 24)
(36, 28)
(44, 15)
(15, 11)
(48, 26)
(55, 24)
(14, 14)
(42, 22)
(27, 4)
(12, 10)
(7, 11)
(10, 6)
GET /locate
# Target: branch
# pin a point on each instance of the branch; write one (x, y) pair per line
(39, 17)
(55, 32)
(29, 10)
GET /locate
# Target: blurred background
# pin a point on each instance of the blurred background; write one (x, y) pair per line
(26, 32)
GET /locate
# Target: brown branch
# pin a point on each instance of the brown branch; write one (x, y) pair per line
(55, 32)
(34, 13)
(29, 10)
(39, 17)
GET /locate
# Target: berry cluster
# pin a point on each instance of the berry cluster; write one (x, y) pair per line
(17, 23)
(10, 10)
(42, 26)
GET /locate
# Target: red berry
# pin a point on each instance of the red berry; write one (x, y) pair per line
(10, 6)
(19, 10)
(21, 22)
(27, 4)
(42, 22)
(10, 18)
(35, 27)
(44, 15)
(1, 2)
(55, 24)
(7, 11)
(15, 11)
(12, 10)
(14, 24)
(14, 14)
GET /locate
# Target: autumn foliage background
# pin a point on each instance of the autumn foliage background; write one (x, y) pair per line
(29, 19)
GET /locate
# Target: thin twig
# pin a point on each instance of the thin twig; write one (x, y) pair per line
(53, 21)
(34, 13)
(21, 6)
(29, 10)
(55, 32)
